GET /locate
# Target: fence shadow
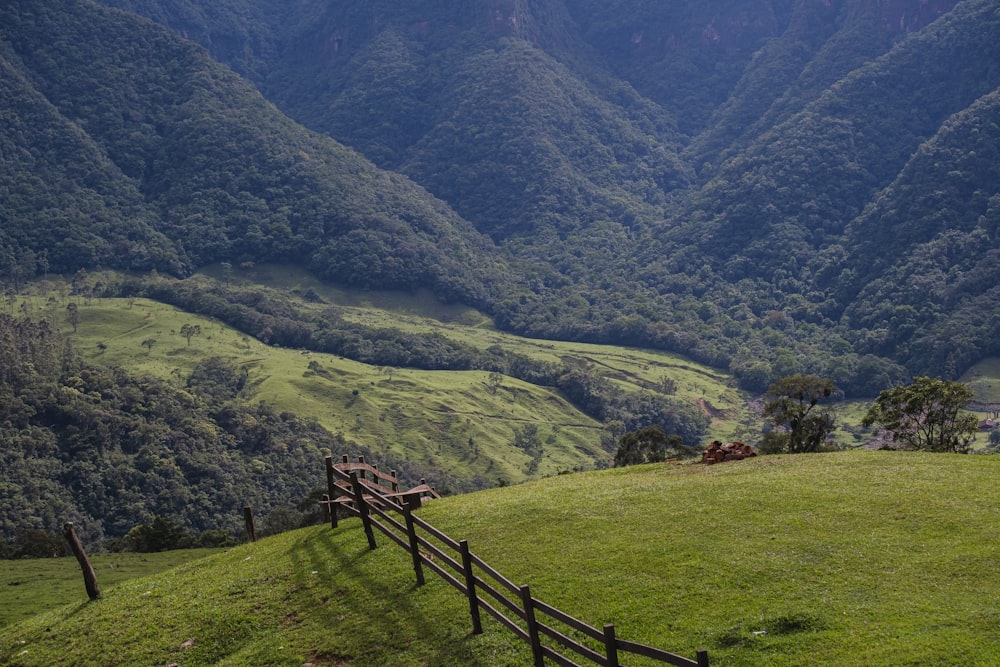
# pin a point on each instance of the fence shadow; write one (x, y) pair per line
(361, 490)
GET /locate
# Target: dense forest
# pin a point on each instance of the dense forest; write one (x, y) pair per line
(771, 187)
(708, 179)
(112, 451)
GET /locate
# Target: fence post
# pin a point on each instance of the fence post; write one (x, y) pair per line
(331, 490)
(529, 616)
(361, 459)
(702, 658)
(470, 588)
(411, 532)
(89, 577)
(248, 520)
(610, 645)
(395, 482)
(326, 507)
(412, 500)
(359, 500)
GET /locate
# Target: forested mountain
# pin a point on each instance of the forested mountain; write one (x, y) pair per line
(110, 451)
(148, 137)
(770, 186)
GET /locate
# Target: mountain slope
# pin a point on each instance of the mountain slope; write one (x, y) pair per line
(687, 176)
(927, 252)
(82, 212)
(777, 214)
(227, 176)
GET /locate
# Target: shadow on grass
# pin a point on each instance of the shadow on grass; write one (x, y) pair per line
(393, 615)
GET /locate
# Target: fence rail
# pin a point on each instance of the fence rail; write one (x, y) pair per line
(486, 589)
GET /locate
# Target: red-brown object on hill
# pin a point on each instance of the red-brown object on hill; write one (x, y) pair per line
(734, 451)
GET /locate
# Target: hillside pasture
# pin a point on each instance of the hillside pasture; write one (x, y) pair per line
(847, 559)
(449, 420)
(452, 421)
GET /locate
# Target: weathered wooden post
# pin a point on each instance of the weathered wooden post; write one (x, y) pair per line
(610, 645)
(529, 617)
(362, 505)
(331, 490)
(411, 533)
(412, 500)
(395, 482)
(325, 501)
(248, 520)
(702, 658)
(470, 587)
(89, 576)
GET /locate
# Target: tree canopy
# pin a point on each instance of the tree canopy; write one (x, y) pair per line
(813, 191)
(928, 414)
(647, 445)
(791, 405)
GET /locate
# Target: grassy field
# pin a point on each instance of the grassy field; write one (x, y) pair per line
(449, 420)
(29, 587)
(846, 559)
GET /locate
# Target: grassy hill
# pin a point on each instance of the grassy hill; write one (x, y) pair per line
(448, 420)
(35, 585)
(846, 559)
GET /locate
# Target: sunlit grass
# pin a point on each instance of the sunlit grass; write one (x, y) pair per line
(846, 559)
(29, 587)
(448, 420)
(815, 559)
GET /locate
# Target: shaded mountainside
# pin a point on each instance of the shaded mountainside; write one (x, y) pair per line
(210, 164)
(748, 182)
(111, 450)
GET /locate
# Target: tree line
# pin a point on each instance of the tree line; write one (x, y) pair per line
(114, 452)
(927, 414)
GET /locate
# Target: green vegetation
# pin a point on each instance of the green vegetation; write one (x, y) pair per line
(782, 560)
(110, 450)
(397, 338)
(226, 420)
(169, 185)
(647, 445)
(928, 414)
(136, 426)
(33, 586)
(791, 407)
(748, 186)
(555, 407)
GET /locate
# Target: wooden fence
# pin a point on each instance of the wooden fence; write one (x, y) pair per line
(487, 590)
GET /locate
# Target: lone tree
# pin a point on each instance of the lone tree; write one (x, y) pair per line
(647, 445)
(792, 406)
(190, 330)
(73, 315)
(926, 415)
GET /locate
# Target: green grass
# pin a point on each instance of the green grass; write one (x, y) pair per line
(425, 416)
(31, 586)
(312, 595)
(447, 420)
(444, 419)
(842, 559)
(837, 557)
(632, 368)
